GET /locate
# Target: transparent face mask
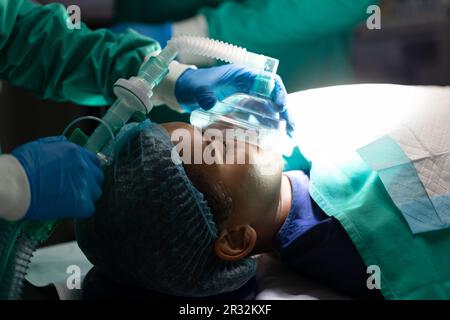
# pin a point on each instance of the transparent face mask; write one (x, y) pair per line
(252, 118)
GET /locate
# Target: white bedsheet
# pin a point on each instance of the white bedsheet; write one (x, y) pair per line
(276, 282)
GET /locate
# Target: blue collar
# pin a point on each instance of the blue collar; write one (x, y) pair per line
(301, 216)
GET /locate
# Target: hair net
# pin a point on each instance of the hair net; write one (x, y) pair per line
(152, 227)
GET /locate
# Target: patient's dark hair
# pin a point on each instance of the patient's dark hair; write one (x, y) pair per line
(216, 195)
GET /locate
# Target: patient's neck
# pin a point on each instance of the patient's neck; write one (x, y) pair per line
(285, 202)
(267, 239)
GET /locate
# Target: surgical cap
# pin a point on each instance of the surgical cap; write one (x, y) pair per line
(152, 228)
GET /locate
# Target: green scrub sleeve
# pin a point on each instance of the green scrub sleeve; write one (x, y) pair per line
(40, 53)
(260, 24)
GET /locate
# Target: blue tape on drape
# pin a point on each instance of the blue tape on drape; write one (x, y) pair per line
(399, 176)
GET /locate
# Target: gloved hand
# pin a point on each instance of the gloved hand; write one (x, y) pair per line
(159, 32)
(204, 87)
(64, 179)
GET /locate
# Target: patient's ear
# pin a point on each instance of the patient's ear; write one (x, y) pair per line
(235, 244)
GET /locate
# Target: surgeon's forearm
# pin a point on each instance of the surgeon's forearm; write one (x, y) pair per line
(40, 53)
(259, 24)
(14, 189)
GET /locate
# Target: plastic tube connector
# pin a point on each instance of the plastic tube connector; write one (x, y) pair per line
(135, 89)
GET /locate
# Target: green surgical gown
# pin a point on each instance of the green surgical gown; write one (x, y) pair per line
(310, 38)
(40, 53)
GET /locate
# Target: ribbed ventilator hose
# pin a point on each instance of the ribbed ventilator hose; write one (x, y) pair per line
(219, 50)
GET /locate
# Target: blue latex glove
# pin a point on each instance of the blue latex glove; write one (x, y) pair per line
(65, 179)
(204, 87)
(159, 32)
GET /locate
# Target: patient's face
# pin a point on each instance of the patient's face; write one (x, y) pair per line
(249, 190)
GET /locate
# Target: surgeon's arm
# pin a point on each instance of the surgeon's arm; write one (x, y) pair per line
(40, 53)
(259, 24)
